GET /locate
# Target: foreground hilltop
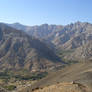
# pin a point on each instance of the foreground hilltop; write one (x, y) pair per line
(64, 87)
(20, 51)
(71, 77)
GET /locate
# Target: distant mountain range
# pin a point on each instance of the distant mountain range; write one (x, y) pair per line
(48, 48)
(20, 51)
(44, 47)
(73, 42)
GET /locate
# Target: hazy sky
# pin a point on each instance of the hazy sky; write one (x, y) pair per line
(36, 12)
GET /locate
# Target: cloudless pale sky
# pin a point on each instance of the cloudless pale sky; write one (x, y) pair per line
(36, 12)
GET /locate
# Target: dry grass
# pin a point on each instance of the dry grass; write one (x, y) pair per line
(63, 87)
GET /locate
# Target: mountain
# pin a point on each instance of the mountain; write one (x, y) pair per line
(78, 42)
(41, 31)
(72, 42)
(20, 51)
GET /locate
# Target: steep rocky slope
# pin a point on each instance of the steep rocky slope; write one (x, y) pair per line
(20, 51)
(72, 39)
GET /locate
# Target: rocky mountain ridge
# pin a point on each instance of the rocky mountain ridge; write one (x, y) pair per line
(72, 39)
(20, 51)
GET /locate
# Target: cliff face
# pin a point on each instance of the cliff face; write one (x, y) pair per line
(73, 39)
(20, 51)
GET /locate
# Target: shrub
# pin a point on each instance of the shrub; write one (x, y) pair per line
(10, 87)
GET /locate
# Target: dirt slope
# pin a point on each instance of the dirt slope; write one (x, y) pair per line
(79, 73)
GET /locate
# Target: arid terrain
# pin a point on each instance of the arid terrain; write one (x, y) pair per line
(64, 87)
(73, 78)
(35, 63)
(45, 46)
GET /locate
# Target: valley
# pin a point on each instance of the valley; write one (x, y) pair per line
(45, 46)
(57, 59)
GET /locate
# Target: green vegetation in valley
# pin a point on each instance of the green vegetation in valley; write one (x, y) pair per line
(34, 76)
(10, 80)
(20, 76)
(10, 87)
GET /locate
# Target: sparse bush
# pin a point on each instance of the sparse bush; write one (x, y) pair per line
(10, 87)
